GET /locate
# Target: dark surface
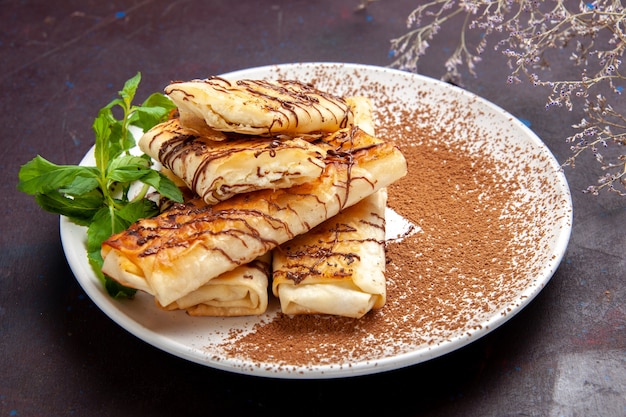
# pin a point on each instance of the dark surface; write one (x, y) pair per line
(564, 355)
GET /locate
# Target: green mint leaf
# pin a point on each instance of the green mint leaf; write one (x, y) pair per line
(108, 108)
(107, 222)
(80, 210)
(102, 129)
(129, 174)
(81, 186)
(155, 109)
(159, 100)
(113, 143)
(122, 138)
(100, 229)
(128, 168)
(130, 88)
(39, 176)
(147, 117)
(136, 210)
(117, 290)
(163, 185)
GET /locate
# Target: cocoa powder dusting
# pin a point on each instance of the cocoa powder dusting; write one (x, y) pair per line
(460, 267)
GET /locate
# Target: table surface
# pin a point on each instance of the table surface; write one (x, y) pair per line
(563, 355)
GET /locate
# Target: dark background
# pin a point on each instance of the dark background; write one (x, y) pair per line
(60, 61)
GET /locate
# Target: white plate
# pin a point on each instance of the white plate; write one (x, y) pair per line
(201, 340)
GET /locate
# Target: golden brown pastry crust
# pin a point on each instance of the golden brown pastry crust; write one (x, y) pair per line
(259, 107)
(180, 250)
(240, 292)
(337, 267)
(217, 170)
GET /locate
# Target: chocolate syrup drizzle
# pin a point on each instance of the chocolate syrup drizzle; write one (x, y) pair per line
(184, 224)
(287, 100)
(308, 260)
(181, 143)
(241, 218)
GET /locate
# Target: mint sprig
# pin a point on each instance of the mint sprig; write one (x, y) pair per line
(98, 196)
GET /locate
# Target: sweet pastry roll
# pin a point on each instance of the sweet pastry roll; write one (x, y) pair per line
(217, 170)
(258, 107)
(240, 292)
(338, 267)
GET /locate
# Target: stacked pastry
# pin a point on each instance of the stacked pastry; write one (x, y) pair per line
(289, 197)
